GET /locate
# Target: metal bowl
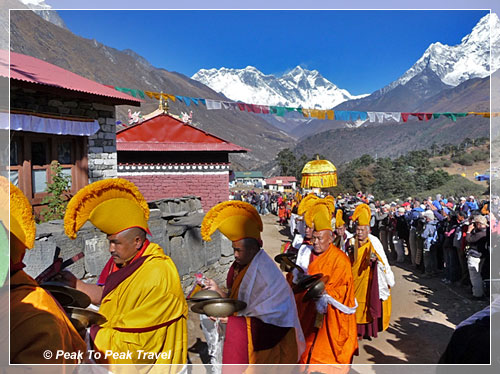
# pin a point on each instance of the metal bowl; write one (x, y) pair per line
(204, 295)
(219, 307)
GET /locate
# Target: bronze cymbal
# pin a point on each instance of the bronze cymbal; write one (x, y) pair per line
(203, 295)
(286, 261)
(83, 318)
(316, 288)
(79, 299)
(221, 307)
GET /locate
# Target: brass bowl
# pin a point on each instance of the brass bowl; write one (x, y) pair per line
(67, 296)
(220, 307)
(316, 289)
(203, 295)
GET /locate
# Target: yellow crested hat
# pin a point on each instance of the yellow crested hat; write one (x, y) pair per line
(320, 214)
(112, 205)
(362, 213)
(306, 203)
(22, 221)
(236, 220)
(339, 218)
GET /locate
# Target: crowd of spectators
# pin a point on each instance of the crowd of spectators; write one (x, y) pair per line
(439, 237)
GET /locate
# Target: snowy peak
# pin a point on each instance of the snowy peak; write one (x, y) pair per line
(297, 88)
(45, 11)
(458, 63)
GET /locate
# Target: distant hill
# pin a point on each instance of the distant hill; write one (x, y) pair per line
(389, 140)
(31, 35)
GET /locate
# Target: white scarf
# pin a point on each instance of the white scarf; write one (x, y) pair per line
(269, 297)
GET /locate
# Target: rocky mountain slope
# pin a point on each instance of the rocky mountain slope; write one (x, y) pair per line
(36, 37)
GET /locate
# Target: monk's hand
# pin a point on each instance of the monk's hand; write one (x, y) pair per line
(221, 320)
(66, 277)
(210, 284)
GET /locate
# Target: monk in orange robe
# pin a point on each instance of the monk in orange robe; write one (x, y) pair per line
(329, 322)
(267, 331)
(38, 324)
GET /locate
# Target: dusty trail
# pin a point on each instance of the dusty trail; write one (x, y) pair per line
(424, 313)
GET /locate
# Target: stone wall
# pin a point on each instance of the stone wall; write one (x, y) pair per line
(174, 225)
(101, 146)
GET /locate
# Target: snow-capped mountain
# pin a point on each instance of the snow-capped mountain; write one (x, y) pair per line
(45, 11)
(458, 63)
(297, 88)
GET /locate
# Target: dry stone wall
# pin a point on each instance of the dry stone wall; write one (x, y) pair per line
(174, 224)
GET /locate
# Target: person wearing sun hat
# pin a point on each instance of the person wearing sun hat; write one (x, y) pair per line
(37, 322)
(329, 322)
(373, 277)
(267, 331)
(139, 289)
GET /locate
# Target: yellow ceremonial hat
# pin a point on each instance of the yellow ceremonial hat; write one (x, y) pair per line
(339, 218)
(236, 220)
(362, 213)
(112, 205)
(22, 222)
(306, 203)
(320, 214)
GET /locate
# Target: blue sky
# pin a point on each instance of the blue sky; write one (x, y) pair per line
(358, 50)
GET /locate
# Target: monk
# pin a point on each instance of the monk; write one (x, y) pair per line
(38, 324)
(342, 236)
(267, 331)
(373, 277)
(329, 322)
(139, 289)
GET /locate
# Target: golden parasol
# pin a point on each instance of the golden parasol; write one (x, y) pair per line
(319, 173)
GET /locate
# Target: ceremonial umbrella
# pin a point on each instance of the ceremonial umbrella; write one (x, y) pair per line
(319, 173)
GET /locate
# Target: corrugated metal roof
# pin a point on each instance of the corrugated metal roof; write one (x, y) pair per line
(165, 133)
(32, 70)
(281, 180)
(248, 174)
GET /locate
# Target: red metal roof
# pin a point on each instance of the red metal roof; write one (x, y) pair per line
(32, 70)
(281, 180)
(165, 133)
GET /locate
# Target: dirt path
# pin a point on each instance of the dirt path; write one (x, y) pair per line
(424, 313)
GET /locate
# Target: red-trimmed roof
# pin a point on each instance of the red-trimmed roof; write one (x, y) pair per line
(165, 133)
(281, 180)
(32, 70)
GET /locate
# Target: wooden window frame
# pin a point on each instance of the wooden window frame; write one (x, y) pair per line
(78, 165)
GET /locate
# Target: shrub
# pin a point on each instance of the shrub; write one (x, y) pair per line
(58, 194)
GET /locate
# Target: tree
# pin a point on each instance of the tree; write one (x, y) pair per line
(287, 162)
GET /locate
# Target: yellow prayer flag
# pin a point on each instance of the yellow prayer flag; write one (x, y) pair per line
(321, 114)
(330, 114)
(171, 97)
(305, 113)
(149, 93)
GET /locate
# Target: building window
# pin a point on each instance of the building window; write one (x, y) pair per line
(31, 155)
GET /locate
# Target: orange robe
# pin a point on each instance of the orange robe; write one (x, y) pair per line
(336, 340)
(362, 280)
(265, 343)
(38, 324)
